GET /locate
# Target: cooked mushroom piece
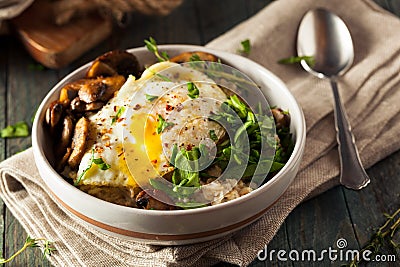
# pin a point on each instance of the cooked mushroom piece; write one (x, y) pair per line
(100, 89)
(79, 142)
(194, 56)
(70, 91)
(63, 162)
(146, 201)
(282, 118)
(54, 113)
(79, 106)
(115, 62)
(66, 135)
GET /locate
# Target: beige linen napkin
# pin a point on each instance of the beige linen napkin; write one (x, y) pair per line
(370, 90)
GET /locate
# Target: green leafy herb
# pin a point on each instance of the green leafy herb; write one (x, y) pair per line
(20, 129)
(383, 236)
(163, 77)
(195, 57)
(213, 136)
(187, 172)
(162, 124)
(193, 90)
(99, 162)
(117, 115)
(33, 243)
(295, 59)
(246, 47)
(37, 67)
(151, 98)
(151, 45)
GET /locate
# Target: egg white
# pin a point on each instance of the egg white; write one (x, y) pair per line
(130, 144)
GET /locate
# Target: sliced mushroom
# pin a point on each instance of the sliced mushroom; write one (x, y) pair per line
(66, 135)
(70, 91)
(63, 162)
(54, 113)
(94, 106)
(115, 62)
(79, 106)
(145, 200)
(100, 89)
(282, 118)
(81, 133)
(196, 56)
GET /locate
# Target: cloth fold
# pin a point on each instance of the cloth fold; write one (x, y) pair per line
(371, 95)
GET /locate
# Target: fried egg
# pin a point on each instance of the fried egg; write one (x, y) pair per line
(135, 131)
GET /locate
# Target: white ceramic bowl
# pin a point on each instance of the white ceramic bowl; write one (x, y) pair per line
(180, 226)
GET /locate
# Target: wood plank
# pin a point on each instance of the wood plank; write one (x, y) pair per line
(394, 6)
(318, 223)
(217, 17)
(253, 6)
(279, 242)
(3, 96)
(381, 196)
(26, 88)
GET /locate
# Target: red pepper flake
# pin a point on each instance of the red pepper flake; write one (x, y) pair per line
(169, 107)
(120, 154)
(120, 119)
(137, 107)
(189, 147)
(115, 108)
(154, 161)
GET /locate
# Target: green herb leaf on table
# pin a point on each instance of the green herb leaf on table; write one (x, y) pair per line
(246, 47)
(36, 67)
(151, 45)
(32, 243)
(163, 124)
(20, 129)
(383, 237)
(296, 59)
(193, 90)
(151, 98)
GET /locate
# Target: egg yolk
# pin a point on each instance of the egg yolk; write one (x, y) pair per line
(142, 155)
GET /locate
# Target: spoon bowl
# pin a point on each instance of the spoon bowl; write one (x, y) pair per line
(325, 37)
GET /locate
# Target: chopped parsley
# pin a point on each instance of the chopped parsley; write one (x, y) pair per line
(195, 57)
(213, 136)
(296, 59)
(118, 115)
(162, 124)
(20, 129)
(151, 45)
(151, 98)
(246, 47)
(193, 90)
(99, 162)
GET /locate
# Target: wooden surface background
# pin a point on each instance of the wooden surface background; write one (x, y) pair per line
(316, 224)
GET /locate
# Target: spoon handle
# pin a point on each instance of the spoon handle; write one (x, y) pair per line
(352, 173)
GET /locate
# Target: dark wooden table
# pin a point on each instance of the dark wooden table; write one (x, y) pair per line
(316, 224)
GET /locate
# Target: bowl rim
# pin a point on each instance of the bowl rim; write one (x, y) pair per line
(296, 154)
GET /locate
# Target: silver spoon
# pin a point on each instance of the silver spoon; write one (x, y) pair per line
(325, 37)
